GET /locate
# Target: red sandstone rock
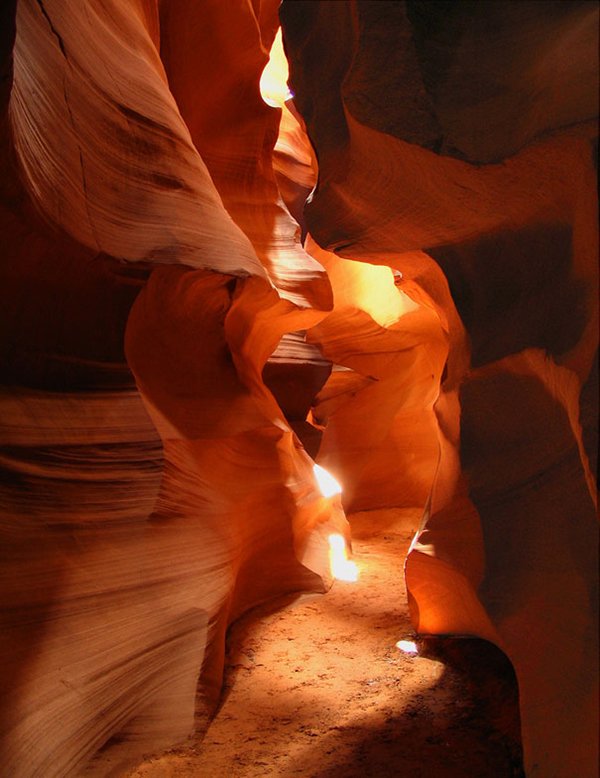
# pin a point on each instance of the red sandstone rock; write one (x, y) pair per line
(154, 286)
(150, 493)
(508, 545)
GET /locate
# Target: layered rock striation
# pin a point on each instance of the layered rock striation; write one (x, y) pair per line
(179, 332)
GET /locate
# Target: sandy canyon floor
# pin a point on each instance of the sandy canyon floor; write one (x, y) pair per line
(319, 688)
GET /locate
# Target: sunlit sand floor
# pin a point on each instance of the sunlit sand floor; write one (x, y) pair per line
(319, 689)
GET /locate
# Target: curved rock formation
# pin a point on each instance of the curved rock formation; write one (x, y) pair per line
(152, 488)
(178, 332)
(380, 433)
(466, 131)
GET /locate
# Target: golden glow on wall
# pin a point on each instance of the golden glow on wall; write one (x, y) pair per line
(359, 285)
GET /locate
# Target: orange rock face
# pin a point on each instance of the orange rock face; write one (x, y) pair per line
(153, 489)
(179, 333)
(457, 146)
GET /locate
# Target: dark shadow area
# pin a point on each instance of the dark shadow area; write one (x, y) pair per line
(476, 734)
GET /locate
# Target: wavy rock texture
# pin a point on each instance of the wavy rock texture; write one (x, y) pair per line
(455, 144)
(152, 488)
(167, 342)
(234, 130)
(380, 433)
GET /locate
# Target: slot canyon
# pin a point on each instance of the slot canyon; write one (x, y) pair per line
(294, 292)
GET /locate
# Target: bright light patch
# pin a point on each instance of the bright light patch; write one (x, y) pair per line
(341, 567)
(273, 82)
(408, 647)
(337, 544)
(327, 483)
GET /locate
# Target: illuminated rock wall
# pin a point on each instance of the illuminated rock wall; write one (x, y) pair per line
(152, 489)
(168, 345)
(456, 144)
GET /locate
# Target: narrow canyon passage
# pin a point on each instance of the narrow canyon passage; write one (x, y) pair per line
(244, 239)
(319, 689)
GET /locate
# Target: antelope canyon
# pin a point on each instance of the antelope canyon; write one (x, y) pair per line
(273, 273)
